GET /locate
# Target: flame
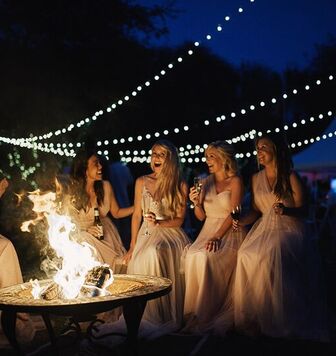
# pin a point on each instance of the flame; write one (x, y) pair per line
(37, 289)
(77, 258)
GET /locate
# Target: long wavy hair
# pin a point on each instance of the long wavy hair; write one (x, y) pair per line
(78, 174)
(283, 164)
(227, 154)
(169, 181)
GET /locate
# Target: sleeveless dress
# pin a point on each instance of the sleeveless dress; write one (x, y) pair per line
(110, 250)
(209, 275)
(273, 294)
(158, 252)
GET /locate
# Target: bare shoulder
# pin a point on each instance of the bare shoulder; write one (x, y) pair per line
(140, 181)
(236, 183)
(106, 185)
(255, 176)
(236, 180)
(184, 186)
(295, 179)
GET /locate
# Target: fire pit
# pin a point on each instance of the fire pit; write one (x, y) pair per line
(129, 291)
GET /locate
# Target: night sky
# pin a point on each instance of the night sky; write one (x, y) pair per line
(273, 33)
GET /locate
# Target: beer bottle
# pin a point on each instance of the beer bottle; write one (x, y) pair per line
(98, 223)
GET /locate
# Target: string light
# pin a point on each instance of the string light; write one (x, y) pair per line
(223, 117)
(67, 149)
(251, 134)
(40, 147)
(185, 155)
(133, 92)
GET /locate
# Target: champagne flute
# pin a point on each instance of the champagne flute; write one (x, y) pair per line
(197, 184)
(198, 187)
(147, 201)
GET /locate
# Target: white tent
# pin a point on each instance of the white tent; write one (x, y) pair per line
(320, 156)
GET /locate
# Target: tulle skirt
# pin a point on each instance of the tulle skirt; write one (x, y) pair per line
(274, 291)
(159, 254)
(209, 280)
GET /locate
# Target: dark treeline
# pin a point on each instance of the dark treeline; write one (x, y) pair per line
(61, 61)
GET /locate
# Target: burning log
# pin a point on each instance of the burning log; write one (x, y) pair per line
(96, 280)
(53, 291)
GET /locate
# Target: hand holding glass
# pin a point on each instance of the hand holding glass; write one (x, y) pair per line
(197, 187)
(197, 184)
(235, 214)
(147, 201)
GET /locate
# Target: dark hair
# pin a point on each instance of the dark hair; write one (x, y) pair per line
(78, 175)
(283, 162)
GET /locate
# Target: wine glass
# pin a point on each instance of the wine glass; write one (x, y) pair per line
(235, 213)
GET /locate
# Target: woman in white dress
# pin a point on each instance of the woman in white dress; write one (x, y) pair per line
(211, 260)
(272, 294)
(10, 274)
(158, 240)
(10, 271)
(91, 191)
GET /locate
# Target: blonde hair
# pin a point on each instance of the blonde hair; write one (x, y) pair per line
(169, 181)
(227, 155)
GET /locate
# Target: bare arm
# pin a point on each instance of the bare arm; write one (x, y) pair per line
(115, 210)
(136, 217)
(299, 209)
(254, 213)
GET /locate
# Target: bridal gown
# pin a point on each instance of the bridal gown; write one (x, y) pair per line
(209, 275)
(274, 294)
(158, 252)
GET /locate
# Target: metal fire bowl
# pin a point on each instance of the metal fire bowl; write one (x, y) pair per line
(125, 289)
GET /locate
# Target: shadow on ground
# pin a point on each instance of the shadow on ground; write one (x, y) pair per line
(179, 345)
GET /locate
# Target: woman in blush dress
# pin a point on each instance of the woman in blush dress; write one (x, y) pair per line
(91, 191)
(211, 260)
(8, 257)
(273, 294)
(158, 240)
(10, 274)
